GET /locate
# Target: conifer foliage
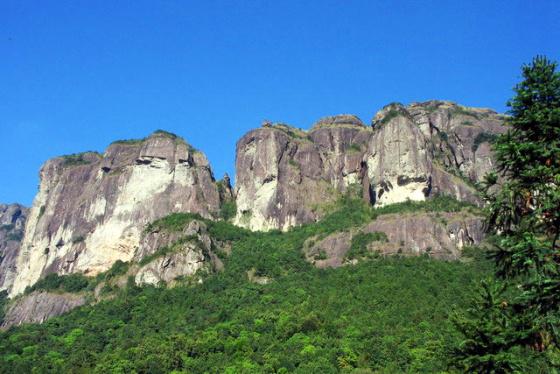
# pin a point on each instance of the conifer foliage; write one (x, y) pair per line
(524, 214)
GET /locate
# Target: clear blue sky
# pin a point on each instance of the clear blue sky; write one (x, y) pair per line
(76, 75)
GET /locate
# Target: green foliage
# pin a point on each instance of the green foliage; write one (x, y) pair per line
(168, 249)
(354, 147)
(523, 212)
(173, 222)
(490, 330)
(3, 303)
(41, 211)
(78, 239)
(66, 283)
(360, 242)
(76, 159)
(15, 236)
(483, 137)
(294, 163)
(443, 136)
(166, 133)
(393, 113)
(388, 315)
(384, 315)
(228, 209)
(459, 110)
(7, 227)
(118, 268)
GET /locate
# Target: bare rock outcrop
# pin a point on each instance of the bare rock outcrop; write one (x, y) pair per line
(286, 176)
(439, 235)
(91, 208)
(39, 306)
(12, 227)
(167, 255)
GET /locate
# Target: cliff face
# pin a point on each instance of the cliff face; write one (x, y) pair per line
(37, 307)
(438, 235)
(286, 175)
(12, 226)
(91, 209)
(182, 254)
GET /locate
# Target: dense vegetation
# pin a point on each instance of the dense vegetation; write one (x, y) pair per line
(77, 282)
(382, 315)
(513, 322)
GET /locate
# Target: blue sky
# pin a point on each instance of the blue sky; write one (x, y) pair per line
(76, 75)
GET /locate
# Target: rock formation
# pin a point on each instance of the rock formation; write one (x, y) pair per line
(439, 235)
(91, 208)
(37, 307)
(285, 176)
(12, 226)
(181, 254)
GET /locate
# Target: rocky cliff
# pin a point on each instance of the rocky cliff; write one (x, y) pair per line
(438, 235)
(285, 176)
(37, 307)
(12, 226)
(91, 208)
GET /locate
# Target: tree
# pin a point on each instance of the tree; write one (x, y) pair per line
(524, 214)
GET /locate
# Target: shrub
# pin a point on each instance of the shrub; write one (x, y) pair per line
(360, 242)
(483, 137)
(55, 282)
(228, 210)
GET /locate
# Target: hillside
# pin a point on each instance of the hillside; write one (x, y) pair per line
(341, 247)
(268, 310)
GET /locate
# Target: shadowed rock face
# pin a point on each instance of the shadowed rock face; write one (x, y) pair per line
(38, 307)
(91, 208)
(12, 226)
(285, 175)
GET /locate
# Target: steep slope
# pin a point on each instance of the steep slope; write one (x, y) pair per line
(91, 208)
(286, 176)
(269, 310)
(12, 226)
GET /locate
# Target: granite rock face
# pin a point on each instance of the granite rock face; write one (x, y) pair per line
(91, 208)
(12, 227)
(37, 307)
(439, 235)
(182, 254)
(286, 175)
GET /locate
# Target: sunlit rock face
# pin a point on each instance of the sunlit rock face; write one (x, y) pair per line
(12, 226)
(39, 306)
(91, 208)
(189, 251)
(437, 235)
(286, 176)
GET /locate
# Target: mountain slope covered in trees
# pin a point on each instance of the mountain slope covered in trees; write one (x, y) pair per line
(269, 310)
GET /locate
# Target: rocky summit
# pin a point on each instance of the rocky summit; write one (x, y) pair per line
(91, 208)
(95, 211)
(286, 175)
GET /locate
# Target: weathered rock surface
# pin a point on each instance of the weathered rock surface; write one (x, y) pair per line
(12, 226)
(439, 235)
(285, 175)
(185, 253)
(185, 260)
(37, 307)
(91, 209)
